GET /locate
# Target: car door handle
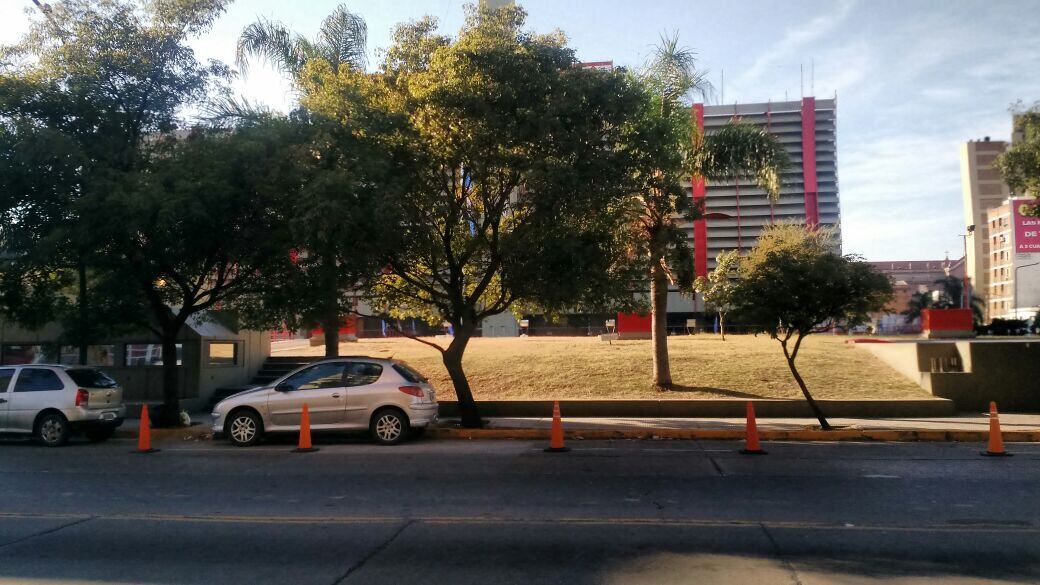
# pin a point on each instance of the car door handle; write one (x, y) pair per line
(335, 395)
(3, 400)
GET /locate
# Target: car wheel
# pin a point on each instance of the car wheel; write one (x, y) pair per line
(244, 428)
(389, 427)
(100, 435)
(52, 430)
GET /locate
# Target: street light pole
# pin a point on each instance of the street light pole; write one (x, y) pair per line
(965, 296)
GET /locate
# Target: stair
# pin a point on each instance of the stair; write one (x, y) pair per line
(273, 368)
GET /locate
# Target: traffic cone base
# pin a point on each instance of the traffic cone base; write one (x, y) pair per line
(144, 433)
(305, 445)
(557, 449)
(755, 452)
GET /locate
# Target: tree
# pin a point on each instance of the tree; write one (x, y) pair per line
(163, 225)
(342, 210)
(948, 295)
(522, 163)
(79, 95)
(733, 152)
(1020, 164)
(919, 301)
(719, 287)
(793, 284)
(341, 40)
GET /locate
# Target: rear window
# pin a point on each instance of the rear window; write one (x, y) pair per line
(409, 374)
(86, 378)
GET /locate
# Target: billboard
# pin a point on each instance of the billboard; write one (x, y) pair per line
(1027, 227)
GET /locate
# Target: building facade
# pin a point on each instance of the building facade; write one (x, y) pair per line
(1013, 273)
(738, 211)
(910, 277)
(983, 190)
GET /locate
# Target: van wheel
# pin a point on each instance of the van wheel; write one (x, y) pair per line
(389, 427)
(244, 428)
(52, 430)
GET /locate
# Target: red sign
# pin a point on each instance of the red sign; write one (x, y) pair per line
(1027, 227)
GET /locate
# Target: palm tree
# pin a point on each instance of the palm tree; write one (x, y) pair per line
(736, 150)
(342, 40)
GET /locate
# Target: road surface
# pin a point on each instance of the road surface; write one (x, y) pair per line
(505, 512)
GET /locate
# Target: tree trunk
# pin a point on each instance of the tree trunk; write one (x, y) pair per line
(801, 384)
(453, 363)
(83, 335)
(659, 322)
(171, 410)
(330, 329)
(722, 325)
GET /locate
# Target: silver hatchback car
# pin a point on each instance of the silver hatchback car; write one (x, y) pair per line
(50, 402)
(385, 396)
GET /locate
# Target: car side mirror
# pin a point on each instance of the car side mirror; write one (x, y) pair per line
(283, 387)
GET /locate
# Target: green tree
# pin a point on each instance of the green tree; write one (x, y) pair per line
(793, 284)
(733, 152)
(1020, 164)
(522, 170)
(198, 230)
(79, 95)
(719, 286)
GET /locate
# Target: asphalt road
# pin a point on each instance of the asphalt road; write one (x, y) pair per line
(505, 512)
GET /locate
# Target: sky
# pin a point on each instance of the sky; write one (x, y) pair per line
(914, 79)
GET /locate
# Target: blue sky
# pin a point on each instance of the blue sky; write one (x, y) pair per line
(914, 80)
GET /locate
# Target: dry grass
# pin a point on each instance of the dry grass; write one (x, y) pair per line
(703, 366)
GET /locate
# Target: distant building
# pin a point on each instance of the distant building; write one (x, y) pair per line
(983, 189)
(1013, 265)
(910, 277)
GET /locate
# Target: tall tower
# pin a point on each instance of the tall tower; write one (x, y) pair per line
(983, 190)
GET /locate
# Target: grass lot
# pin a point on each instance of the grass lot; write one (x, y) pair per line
(703, 366)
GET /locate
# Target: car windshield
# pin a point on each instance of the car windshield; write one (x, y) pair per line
(410, 374)
(87, 378)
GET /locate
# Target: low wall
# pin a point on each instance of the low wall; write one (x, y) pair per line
(722, 408)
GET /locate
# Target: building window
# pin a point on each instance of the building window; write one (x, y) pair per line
(13, 355)
(149, 354)
(222, 353)
(97, 355)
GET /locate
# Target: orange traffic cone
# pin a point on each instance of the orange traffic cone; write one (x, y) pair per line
(751, 446)
(144, 433)
(305, 445)
(556, 435)
(996, 440)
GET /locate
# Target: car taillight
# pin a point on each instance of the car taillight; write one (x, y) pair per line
(81, 397)
(413, 390)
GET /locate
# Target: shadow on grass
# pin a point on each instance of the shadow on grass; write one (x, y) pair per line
(709, 390)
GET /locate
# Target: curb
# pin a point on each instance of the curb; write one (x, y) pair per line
(194, 433)
(907, 435)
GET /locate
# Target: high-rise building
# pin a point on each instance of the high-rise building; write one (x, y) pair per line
(983, 190)
(738, 211)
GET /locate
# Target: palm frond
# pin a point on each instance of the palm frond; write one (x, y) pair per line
(742, 150)
(672, 71)
(343, 38)
(228, 109)
(273, 43)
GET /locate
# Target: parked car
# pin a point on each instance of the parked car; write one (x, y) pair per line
(51, 402)
(385, 396)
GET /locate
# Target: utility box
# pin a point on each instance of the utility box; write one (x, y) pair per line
(947, 324)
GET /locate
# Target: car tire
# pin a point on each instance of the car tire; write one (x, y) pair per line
(244, 428)
(100, 435)
(52, 430)
(389, 426)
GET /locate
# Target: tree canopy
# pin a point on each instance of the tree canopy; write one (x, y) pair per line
(1020, 164)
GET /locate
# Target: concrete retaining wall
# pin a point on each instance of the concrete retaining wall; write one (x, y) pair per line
(725, 408)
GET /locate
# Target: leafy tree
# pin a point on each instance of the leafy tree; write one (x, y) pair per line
(79, 95)
(1020, 164)
(735, 151)
(793, 284)
(162, 226)
(522, 170)
(719, 287)
(919, 301)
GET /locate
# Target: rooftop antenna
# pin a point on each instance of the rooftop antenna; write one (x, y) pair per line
(722, 84)
(801, 79)
(812, 77)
